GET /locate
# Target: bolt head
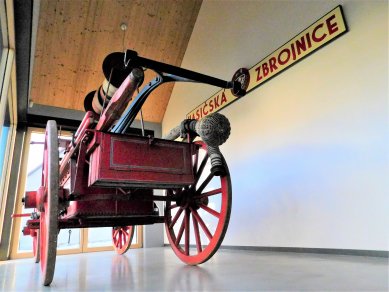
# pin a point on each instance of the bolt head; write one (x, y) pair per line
(123, 26)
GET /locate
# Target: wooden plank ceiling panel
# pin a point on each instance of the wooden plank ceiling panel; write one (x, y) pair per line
(74, 36)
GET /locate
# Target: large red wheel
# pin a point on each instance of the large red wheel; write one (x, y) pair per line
(122, 238)
(49, 212)
(197, 222)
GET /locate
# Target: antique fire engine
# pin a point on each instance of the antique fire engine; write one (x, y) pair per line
(107, 177)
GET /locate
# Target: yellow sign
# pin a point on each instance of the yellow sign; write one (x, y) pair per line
(317, 35)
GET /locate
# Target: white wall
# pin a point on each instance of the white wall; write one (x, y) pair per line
(308, 149)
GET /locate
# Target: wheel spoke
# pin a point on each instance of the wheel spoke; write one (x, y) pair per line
(197, 234)
(124, 234)
(202, 224)
(210, 211)
(201, 168)
(172, 206)
(205, 183)
(187, 239)
(178, 239)
(115, 233)
(196, 161)
(208, 194)
(176, 217)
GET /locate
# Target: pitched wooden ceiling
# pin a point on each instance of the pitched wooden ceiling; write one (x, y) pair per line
(74, 36)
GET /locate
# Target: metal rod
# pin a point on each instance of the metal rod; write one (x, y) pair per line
(164, 198)
(141, 123)
(132, 57)
(20, 215)
(129, 115)
(195, 76)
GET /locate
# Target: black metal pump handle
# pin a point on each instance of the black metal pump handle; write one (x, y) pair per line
(132, 58)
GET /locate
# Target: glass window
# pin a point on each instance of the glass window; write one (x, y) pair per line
(98, 237)
(3, 146)
(102, 236)
(5, 149)
(1, 36)
(3, 25)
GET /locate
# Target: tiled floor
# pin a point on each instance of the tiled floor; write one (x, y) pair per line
(158, 269)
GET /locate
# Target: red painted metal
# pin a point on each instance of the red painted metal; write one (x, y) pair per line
(91, 222)
(43, 242)
(119, 101)
(26, 231)
(36, 245)
(30, 199)
(133, 161)
(40, 197)
(21, 215)
(105, 208)
(86, 124)
(33, 224)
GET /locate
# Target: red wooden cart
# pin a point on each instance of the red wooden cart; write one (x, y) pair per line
(107, 178)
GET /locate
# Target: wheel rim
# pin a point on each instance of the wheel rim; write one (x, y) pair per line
(49, 214)
(122, 238)
(196, 224)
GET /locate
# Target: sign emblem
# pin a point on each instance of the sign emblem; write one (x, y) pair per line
(243, 77)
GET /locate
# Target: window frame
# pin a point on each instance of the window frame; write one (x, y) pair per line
(7, 99)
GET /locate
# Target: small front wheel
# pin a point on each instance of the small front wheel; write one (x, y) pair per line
(122, 238)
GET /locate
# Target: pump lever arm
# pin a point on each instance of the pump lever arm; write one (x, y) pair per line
(132, 58)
